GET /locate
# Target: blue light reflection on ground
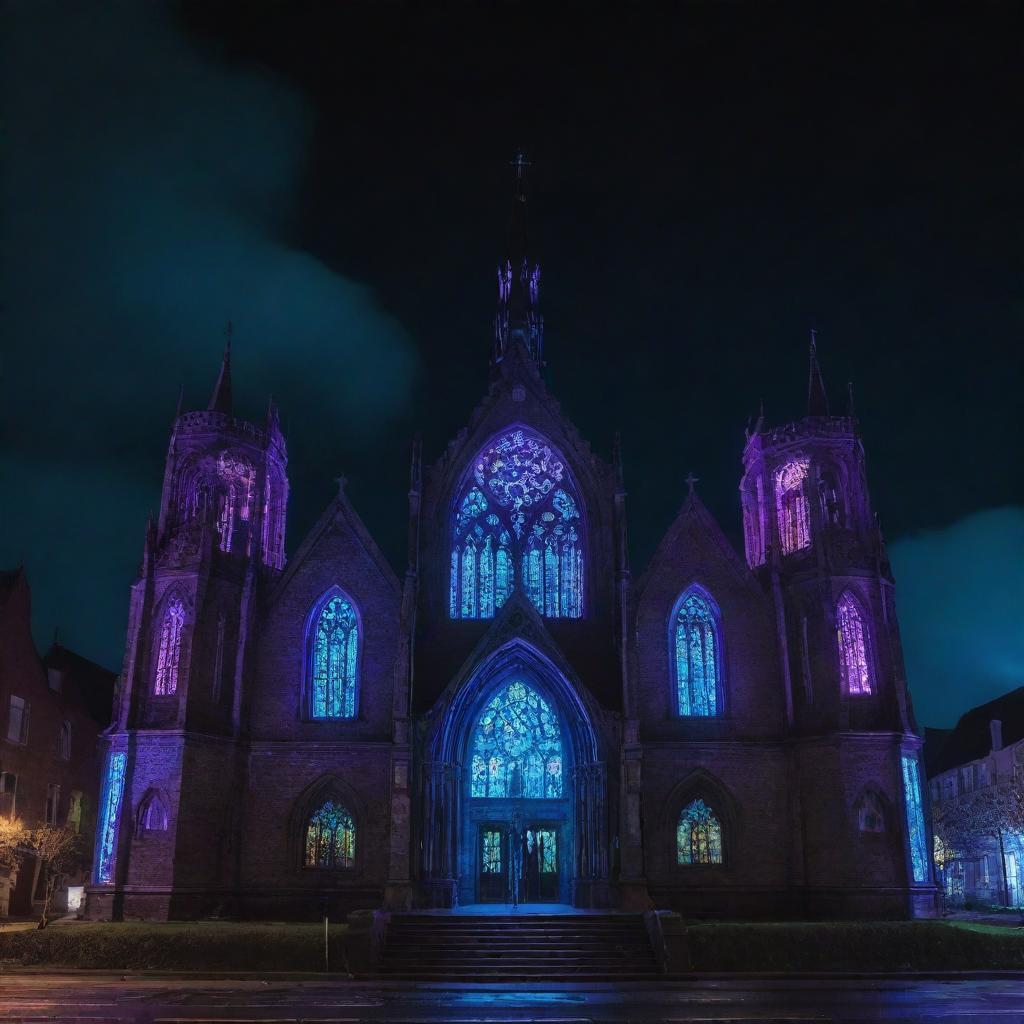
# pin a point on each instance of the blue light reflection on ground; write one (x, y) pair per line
(519, 996)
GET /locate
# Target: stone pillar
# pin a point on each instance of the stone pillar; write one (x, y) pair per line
(590, 886)
(440, 833)
(631, 883)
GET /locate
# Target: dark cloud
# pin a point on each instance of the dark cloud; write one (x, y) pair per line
(148, 193)
(960, 594)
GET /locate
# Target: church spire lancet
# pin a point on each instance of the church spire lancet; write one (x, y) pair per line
(817, 399)
(220, 400)
(518, 318)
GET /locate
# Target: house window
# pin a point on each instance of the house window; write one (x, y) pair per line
(698, 835)
(74, 819)
(8, 791)
(17, 720)
(64, 741)
(52, 803)
(330, 838)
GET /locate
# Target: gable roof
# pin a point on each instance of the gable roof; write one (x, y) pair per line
(84, 680)
(971, 739)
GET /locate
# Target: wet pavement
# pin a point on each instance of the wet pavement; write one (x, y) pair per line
(96, 997)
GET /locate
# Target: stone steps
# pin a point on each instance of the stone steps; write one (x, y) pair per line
(508, 947)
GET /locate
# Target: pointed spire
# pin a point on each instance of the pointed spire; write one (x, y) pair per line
(220, 400)
(817, 400)
(518, 316)
(851, 409)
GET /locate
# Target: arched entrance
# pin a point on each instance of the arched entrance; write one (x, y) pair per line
(514, 794)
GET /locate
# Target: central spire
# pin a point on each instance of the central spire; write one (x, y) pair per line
(518, 316)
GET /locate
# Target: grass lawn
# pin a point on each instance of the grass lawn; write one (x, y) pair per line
(177, 945)
(754, 946)
(854, 946)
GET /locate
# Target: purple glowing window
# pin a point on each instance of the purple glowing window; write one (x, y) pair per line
(168, 658)
(853, 649)
(697, 657)
(330, 838)
(335, 660)
(235, 501)
(791, 506)
(698, 835)
(517, 513)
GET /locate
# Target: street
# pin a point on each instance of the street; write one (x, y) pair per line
(175, 1000)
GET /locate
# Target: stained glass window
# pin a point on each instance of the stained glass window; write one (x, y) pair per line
(697, 657)
(335, 660)
(699, 835)
(853, 650)
(517, 747)
(110, 813)
(547, 851)
(492, 852)
(168, 656)
(153, 816)
(915, 818)
(235, 499)
(330, 838)
(791, 506)
(517, 516)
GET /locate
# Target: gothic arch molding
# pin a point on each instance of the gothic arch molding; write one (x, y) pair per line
(703, 785)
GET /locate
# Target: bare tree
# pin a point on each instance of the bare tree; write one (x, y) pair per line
(59, 850)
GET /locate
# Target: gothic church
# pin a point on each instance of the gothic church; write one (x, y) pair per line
(518, 717)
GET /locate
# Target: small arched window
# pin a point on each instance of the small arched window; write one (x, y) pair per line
(697, 654)
(698, 835)
(334, 659)
(64, 741)
(870, 813)
(851, 632)
(831, 495)
(168, 659)
(330, 838)
(791, 506)
(152, 814)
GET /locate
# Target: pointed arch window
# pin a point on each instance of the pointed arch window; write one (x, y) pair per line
(330, 837)
(791, 506)
(168, 659)
(697, 654)
(152, 814)
(517, 523)
(870, 813)
(851, 632)
(334, 658)
(698, 835)
(517, 747)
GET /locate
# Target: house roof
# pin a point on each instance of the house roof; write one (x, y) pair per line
(971, 738)
(93, 683)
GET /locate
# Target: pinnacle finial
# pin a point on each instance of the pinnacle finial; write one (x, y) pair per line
(691, 481)
(851, 409)
(521, 164)
(220, 401)
(817, 400)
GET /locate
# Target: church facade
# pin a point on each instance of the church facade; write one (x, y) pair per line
(518, 716)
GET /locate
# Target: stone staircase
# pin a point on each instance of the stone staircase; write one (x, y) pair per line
(512, 947)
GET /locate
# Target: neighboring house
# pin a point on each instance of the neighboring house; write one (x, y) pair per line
(52, 711)
(984, 750)
(515, 712)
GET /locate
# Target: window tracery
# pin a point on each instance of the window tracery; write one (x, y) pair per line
(335, 660)
(517, 516)
(851, 633)
(791, 506)
(916, 835)
(168, 658)
(697, 654)
(330, 837)
(698, 835)
(517, 747)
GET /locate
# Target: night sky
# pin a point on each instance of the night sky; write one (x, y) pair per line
(708, 182)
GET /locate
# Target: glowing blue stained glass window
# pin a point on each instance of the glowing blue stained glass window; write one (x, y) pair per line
(335, 661)
(697, 657)
(517, 747)
(330, 838)
(915, 818)
(698, 835)
(517, 516)
(110, 814)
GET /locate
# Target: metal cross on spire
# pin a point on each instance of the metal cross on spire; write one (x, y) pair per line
(691, 480)
(520, 163)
